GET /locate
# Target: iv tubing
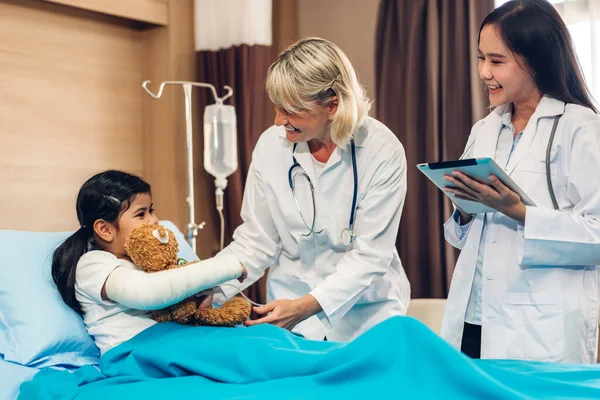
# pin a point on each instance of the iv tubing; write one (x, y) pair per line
(243, 295)
(219, 201)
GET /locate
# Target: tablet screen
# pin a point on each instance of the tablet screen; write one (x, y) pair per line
(452, 164)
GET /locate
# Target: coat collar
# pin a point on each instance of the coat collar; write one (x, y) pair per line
(547, 108)
(304, 157)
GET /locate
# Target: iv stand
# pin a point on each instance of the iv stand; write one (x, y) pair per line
(191, 228)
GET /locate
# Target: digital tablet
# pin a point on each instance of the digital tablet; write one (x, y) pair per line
(477, 168)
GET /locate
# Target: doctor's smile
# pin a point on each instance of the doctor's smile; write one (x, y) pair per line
(494, 89)
(291, 131)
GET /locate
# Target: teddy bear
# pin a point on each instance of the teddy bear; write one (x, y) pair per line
(154, 248)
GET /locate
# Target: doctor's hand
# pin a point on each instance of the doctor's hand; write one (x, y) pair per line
(497, 195)
(286, 313)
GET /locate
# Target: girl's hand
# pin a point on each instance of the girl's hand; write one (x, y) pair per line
(286, 313)
(496, 196)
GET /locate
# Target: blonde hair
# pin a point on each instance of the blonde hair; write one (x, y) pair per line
(310, 72)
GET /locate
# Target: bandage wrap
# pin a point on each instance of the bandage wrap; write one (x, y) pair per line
(153, 291)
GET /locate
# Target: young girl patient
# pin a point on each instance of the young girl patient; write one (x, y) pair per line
(96, 277)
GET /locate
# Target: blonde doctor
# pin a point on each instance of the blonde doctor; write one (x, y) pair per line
(322, 202)
(525, 285)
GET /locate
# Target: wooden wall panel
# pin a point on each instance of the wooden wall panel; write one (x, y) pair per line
(71, 105)
(285, 25)
(151, 11)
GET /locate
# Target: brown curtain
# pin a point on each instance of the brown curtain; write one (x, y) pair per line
(244, 68)
(428, 93)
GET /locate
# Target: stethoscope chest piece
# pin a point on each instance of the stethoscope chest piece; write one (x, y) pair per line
(347, 236)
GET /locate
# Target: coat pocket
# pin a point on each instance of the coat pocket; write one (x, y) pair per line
(538, 326)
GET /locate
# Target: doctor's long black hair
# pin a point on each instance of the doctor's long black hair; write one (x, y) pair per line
(533, 30)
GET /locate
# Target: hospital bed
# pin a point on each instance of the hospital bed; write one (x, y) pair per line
(36, 329)
(400, 355)
(12, 376)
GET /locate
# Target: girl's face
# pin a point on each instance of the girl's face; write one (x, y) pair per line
(506, 78)
(307, 125)
(140, 212)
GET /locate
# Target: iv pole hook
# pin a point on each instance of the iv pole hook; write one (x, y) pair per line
(192, 228)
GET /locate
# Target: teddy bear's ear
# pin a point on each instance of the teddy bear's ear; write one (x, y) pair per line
(152, 247)
(161, 234)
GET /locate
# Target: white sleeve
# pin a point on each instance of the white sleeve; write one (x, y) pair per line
(93, 269)
(256, 242)
(155, 290)
(454, 232)
(569, 236)
(379, 215)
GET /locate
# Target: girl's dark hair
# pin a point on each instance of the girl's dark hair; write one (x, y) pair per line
(533, 30)
(104, 196)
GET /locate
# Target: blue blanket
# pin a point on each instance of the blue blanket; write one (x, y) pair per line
(399, 358)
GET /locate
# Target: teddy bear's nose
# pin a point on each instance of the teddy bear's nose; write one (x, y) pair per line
(161, 235)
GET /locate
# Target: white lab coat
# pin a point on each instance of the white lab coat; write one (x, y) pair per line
(356, 287)
(539, 280)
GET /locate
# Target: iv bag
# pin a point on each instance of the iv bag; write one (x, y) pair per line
(220, 142)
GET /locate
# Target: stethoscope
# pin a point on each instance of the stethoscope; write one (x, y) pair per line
(347, 236)
(548, 176)
(548, 151)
